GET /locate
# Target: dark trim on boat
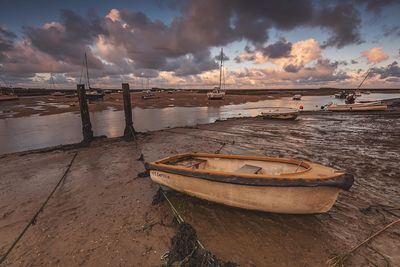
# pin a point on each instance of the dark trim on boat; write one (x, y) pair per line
(344, 181)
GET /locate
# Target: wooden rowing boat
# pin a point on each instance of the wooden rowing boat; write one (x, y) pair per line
(253, 182)
(280, 113)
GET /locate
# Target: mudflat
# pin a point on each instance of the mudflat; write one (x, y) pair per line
(102, 214)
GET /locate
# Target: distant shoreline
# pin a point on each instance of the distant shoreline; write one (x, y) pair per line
(233, 91)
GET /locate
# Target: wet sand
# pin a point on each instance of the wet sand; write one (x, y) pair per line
(48, 105)
(102, 213)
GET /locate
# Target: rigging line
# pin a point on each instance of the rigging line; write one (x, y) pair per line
(33, 219)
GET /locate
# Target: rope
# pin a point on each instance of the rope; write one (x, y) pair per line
(33, 219)
(339, 260)
(177, 215)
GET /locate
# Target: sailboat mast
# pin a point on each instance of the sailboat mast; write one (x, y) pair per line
(87, 72)
(220, 69)
(366, 76)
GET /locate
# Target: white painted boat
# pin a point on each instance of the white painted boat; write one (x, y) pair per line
(297, 97)
(280, 113)
(253, 182)
(216, 95)
(369, 106)
(58, 94)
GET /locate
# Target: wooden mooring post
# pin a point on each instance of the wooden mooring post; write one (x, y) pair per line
(83, 106)
(129, 132)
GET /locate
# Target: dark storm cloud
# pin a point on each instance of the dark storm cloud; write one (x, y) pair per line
(192, 64)
(391, 70)
(292, 68)
(376, 5)
(6, 41)
(279, 49)
(391, 31)
(343, 20)
(182, 46)
(71, 40)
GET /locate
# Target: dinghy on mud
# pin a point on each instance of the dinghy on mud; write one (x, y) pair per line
(252, 182)
(280, 113)
(369, 106)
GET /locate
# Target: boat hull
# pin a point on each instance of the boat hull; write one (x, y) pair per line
(356, 107)
(277, 199)
(289, 116)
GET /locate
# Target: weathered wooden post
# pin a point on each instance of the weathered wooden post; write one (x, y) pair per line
(83, 105)
(129, 133)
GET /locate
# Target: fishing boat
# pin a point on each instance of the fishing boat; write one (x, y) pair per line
(280, 113)
(253, 182)
(216, 93)
(369, 106)
(296, 97)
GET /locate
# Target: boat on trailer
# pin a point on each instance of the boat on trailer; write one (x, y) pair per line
(253, 182)
(280, 113)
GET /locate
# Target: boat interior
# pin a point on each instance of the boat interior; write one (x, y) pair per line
(263, 166)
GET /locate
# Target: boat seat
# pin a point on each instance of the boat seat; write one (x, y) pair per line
(249, 169)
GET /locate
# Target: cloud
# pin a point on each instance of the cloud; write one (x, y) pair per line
(343, 20)
(281, 48)
(391, 70)
(376, 5)
(375, 55)
(391, 31)
(125, 42)
(68, 40)
(302, 53)
(6, 41)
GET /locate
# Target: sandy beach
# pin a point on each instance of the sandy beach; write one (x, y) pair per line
(103, 214)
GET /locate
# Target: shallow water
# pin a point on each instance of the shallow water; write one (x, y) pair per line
(19, 134)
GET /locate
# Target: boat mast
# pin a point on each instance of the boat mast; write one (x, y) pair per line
(220, 69)
(87, 72)
(369, 70)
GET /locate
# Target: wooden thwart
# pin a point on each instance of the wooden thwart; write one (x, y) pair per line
(249, 169)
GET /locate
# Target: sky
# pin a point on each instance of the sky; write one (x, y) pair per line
(177, 43)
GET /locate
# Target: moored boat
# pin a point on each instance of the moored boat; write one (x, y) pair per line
(369, 106)
(296, 97)
(216, 93)
(280, 113)
(253, 182)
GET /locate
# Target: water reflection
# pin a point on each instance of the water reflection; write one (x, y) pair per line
(18, 134)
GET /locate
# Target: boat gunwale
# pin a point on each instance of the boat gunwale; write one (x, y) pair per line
(300, 163)
(341, 180)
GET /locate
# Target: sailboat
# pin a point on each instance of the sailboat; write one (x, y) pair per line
(93, 93)
(217, 94)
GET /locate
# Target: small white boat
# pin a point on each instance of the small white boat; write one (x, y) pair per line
(368, 106)
(253, 182)
(58, 94)
(280, 113)
(297, 97)
(216, 94)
